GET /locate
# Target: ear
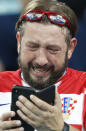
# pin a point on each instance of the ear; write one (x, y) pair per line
(71, 47)
(18, 41)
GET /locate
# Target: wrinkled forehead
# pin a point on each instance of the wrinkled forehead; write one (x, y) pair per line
(41, 32)
(43, 28)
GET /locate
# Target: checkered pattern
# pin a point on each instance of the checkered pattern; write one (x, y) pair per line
(69, 106)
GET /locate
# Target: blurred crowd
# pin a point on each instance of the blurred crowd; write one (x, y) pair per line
(78, 60)
(9, 13)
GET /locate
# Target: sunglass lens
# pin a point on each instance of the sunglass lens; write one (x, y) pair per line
(57, 19)
(33, 16)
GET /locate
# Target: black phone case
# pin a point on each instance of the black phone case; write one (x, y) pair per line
(47, 95)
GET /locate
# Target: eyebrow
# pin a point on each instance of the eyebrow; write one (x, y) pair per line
(54, 46)
(32, 42)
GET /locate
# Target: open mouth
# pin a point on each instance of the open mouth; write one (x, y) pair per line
(40, 72)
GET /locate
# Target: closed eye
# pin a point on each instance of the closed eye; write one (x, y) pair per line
(32, 46)
(53, 50)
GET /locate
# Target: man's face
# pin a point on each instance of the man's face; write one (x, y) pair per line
(43, 54)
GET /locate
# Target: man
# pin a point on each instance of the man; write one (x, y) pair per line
(46, 40)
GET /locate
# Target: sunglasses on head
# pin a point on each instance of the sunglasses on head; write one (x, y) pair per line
(54, 17)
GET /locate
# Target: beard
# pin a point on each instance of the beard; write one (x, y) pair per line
(39, 83)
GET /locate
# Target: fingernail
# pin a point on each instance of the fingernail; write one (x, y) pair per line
(20, 97)
(31, 96)
(18, 123)
(17, 103)
(18, 111)
(21, 129)
(12, 113)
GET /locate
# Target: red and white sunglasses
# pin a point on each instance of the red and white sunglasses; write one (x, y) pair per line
(56, 18)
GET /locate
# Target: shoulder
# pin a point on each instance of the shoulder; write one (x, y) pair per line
(77, 77)
(9, 74)
(8, 79)
(73, 82)
(76, 74)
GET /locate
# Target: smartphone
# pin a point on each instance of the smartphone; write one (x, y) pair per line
(47, 95)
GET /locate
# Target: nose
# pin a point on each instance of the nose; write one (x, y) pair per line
(41, 57)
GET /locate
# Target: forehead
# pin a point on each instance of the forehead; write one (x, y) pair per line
(45, 32)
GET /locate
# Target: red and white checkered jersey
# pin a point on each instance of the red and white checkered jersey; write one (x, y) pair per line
(72, 90)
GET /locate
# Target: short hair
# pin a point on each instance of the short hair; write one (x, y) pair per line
(51, 6)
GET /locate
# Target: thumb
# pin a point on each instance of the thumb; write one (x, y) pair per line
(57, 99)
(6, 116)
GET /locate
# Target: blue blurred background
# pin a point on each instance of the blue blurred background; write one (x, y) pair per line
(9, 13)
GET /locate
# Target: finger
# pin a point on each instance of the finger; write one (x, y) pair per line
(57, 99)
(16, 129)
(35, 114)
(27, 120)
(7, 115)
(9, 124)
(27, 112)
(29, 105)
(40, 103)
(39, 107)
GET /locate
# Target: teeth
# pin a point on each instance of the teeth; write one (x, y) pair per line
(39, 70)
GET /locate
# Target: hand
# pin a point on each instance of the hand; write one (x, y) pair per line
(7, 124)
(40, 114)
